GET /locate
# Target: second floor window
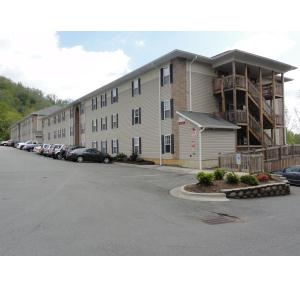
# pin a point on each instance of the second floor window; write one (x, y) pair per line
(95, 125)
(114, 121)
(166, 75)
(136, 87)
(104, 123)
(103, 100)
(48, 121)
(114, 95)
(94, 103)
(167, 109)
(71, 112)
(136, 116)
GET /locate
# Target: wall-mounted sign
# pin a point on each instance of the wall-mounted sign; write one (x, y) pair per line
(181, 121)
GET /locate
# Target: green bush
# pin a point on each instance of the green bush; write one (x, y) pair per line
(249, 179)
(219, 174)
(232, 178)
(133, 157)
(205, 178)
(121, 157)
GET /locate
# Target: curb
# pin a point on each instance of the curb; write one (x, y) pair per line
(180, 192)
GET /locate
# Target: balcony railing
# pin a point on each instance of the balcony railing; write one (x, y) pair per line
(240, 116)
(228, 83)
(268, 110)
(279, 120)
(254, 126)
(278, 89)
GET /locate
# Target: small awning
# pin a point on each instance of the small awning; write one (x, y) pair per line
(207, 120)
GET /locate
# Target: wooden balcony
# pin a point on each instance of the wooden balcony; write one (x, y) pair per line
(227, 83)
(238, 117)
(279, 120)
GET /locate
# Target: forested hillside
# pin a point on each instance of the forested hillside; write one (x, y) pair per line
(17, 101)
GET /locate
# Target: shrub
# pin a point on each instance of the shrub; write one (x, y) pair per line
(121, 157)
(249, 179)
(133, 157)
(263, 177)
(232, 178)
(205, 178)
(219, 174)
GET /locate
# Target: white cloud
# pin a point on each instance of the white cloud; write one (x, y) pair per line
(36, 60)
(140, 43)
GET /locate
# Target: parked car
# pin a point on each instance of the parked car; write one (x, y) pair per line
(67, 149)
(7, 143)
(51, 150)
(56, 151)
(292, 174)
(47, 150)
(20, 145)
(29, 147)
(43, 148)
(88, 154)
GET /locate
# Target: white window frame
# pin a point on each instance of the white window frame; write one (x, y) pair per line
(136, 116)
(103, 146)
(114, 122)
(167, 109)
(167, 143)
(166, 75)
(103, 100)
(136, 145)
(135, 87)
(114, 95)
(95, 144)
(104, 123)
(114, 146)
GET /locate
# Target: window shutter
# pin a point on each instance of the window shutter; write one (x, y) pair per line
(96, 105)
(132, 116)
(132, 145)
(112, 119)
(117, 146)
(162, 144)
(117, 120)
(117, 98)
(139, 84)
(111, 96)
(105, 122)
(140, 115)
(101, 123)
(172, 107)
(172, 143)
(171, 73)
(162, 112)
(112, 147)
(101, 97)
(96, 125)
(140, 145)
(92, 103)
(92, 125)
(106, 146)
(105, 99)
(132, 88)
(161, 77)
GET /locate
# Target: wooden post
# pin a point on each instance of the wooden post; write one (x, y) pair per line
(247, 105)
(234, 89)
(261, 108)
(283, 120)
(273, 107)
(223, 96)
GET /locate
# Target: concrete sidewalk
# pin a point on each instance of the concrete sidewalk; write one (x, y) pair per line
(174, 169)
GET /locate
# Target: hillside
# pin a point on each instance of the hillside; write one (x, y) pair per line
(17, 101)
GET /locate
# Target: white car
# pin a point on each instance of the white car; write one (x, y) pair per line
(20, 145)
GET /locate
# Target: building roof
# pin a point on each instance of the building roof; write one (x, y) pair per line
(48, 110)
(206, 120)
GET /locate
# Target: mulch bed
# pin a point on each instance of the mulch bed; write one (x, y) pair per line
(214, 188)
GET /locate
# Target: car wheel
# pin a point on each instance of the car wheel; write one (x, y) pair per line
(79, 159)
(106, 160)
(59, 156)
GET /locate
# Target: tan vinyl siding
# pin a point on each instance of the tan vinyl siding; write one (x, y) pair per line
(217, 141)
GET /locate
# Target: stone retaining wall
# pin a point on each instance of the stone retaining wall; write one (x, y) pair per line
(274, 189)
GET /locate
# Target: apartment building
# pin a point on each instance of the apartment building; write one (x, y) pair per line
(180, 109)
(30, 127)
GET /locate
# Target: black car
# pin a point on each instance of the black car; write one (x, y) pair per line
(88, 154)
(67, 149)
(292, 174)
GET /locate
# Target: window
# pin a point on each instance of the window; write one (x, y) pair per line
(63, 132)
(95, 144)
(137, 145)
(43, 124)
(59, 133)
(136, 115)
(82, 128)
(103, 100)
(54, 134)
(166, 75)
(63, 115)
(49, 135)
(71, 112)
(95, 125)
(114, 95)
(136, 87)
(82, 108)
(104, 123)
(104, 146)
(54, 119)
(167, 144)
(94, 103)
(167, 109)
(71, 131)
(115, 146)
(59, 118)
(114, 121)
(48, 121)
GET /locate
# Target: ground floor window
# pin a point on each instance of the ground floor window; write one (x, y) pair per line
(137, 145)
(115, 146)
(167, 144)
(95, 144)
(104, 146)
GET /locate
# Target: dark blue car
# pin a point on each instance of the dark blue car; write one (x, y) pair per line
(292, 174)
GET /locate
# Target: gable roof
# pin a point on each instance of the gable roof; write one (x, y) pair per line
(207, 120)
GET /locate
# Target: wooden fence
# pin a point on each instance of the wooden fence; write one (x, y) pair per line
(265, 159)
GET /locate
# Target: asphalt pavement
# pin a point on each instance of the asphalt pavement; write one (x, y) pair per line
(53, 207)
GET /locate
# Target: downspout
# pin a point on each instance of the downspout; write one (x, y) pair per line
(201, 129)
(190, 90)
(159, 119)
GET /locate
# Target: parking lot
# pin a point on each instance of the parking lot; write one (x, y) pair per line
(52, 207)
